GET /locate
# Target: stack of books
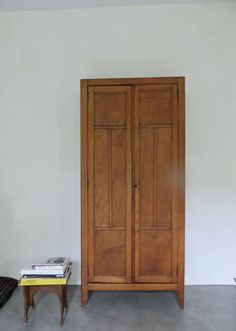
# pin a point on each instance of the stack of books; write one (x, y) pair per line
(49, 271)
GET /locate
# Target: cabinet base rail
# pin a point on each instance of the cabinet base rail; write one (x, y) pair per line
(132, 287)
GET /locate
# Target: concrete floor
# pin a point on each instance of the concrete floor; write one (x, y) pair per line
(207, 308)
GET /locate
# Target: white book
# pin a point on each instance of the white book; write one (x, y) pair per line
(58, 263)
(46, 267)
(31, 271)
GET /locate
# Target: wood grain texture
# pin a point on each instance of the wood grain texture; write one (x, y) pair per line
(131, 287)
(164, 178)
(110, 256)
(91, 179)
(109, 106)
(133, 160)
(181, 189)
(147, 193)
(84, 193)
(118, 178)
(110, 180)
(154, 104)
(156, 194)
(101, 178)
(132, 81)
(30, 291)
(155, 256)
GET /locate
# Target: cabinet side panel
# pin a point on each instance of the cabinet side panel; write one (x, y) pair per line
(181, 190)
(84, 193)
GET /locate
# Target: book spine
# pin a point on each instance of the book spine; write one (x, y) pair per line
(54, 267)
(46, 274)
(43, 281)
(43, 276)
(41, 272)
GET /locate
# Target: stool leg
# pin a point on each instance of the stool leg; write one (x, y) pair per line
(32, 302)
(61, 297)
(26, 303)
(66, 299)
(64, 290)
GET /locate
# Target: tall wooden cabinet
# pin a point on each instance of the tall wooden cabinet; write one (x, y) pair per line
(132, 142)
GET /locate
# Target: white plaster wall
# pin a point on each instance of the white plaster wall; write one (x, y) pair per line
(43, 56)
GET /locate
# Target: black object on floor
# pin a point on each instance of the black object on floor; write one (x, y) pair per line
(7, 286)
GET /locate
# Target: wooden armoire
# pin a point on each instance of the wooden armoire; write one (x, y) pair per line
(132, 150)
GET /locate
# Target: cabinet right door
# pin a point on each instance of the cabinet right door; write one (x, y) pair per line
(156, 171)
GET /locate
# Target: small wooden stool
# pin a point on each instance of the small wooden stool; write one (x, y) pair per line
(30, 290)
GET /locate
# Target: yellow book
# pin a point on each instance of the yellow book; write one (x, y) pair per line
(44, 281)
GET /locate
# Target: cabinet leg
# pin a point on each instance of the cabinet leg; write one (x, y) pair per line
(84, 295)
(180, 297)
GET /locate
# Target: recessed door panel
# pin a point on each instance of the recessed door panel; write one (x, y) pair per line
(155, 255)
(110, 108)
(101, 173)
(109, 247)
(155, 105)
(118, 178)
(164, 177)
(146, 183)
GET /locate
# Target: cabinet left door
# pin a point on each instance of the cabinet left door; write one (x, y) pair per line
(110, 184)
